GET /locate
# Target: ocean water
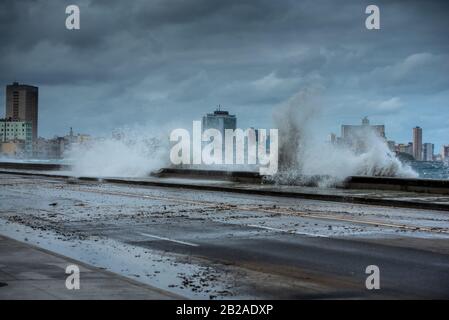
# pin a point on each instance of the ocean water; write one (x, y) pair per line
(431, 170)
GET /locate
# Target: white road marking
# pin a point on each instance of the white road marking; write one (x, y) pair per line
(171, 240)
(288, 231)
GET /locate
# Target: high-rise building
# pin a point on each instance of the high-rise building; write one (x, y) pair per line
(22, 104)
(220, 120)
(427, 151)
(417, 143)
(445, 152)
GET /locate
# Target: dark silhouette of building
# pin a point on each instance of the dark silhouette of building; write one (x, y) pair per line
(22, 104)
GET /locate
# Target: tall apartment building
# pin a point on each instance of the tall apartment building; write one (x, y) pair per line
(417, 143)
(22, 105)
(428, 151)
(445, 152)
(220, 120)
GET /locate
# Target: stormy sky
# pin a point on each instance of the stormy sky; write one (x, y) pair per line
(153, 62)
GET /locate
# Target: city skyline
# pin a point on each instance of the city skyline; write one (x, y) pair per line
(153, 62)
(22, 106)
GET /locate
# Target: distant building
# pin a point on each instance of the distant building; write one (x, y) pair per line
(50, 148)
(15, 149)
(55, 148)
(427, 151)
(405, 148)
(17, 137)
(15, 130)
(22, 105)
(349, 132)
(417, 143)
(333, 138)
(438, 157)
(220, 120)
(445, 152)
(355, 135)
(71, 140)
(79, 138)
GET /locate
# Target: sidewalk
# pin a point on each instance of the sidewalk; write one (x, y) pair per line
(28, 272)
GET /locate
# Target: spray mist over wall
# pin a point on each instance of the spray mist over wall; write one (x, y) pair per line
(304, 155)
(130, 152)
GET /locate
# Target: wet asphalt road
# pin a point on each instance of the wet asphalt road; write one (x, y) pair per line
(338, 264)
(406, 273)
(260, 254)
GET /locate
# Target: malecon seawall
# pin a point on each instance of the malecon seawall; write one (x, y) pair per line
(354, 182)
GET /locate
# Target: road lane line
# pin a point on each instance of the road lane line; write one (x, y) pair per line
(167, 239)
(288, 231)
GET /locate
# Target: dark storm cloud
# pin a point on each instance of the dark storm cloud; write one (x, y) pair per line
(160, 60)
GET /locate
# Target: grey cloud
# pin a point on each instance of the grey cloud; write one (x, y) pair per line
(158, 60)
